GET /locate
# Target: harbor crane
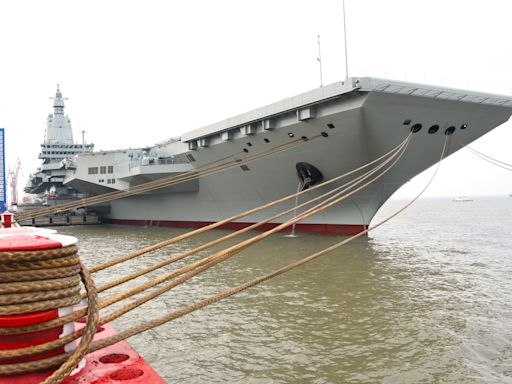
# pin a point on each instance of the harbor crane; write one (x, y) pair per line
(13, 183)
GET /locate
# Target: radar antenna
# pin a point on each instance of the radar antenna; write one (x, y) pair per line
(58, 95)
(319, 59)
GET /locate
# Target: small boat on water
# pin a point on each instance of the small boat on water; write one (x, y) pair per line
(462, 199)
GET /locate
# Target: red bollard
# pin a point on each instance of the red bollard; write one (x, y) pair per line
(111, 365)
(8, 342)
(6, 219)
(29, 239)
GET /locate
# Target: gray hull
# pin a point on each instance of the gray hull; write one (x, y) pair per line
(354, 122)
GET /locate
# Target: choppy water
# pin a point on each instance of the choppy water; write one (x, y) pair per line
(427, 298)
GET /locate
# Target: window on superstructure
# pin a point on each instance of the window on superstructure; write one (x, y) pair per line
(103, 169)
(93, 170)
(110, 169)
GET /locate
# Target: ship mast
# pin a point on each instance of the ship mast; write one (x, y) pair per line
(58, 125)
(83, 132)
(345, 37)
(319, 58)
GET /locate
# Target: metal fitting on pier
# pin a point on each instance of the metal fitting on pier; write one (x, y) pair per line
(24, 252)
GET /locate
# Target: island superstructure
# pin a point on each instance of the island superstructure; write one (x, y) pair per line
(58, 152)
(344, 125)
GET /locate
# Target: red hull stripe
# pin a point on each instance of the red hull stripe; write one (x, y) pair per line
(326, 229)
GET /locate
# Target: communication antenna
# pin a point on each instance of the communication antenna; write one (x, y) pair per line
(58, 90)
(83, 132)
(319, 58)
(345, 36)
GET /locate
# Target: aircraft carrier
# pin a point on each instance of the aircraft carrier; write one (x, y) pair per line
(342, 125)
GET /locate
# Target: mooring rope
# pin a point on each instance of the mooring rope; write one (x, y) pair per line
(230, 292)
(103, 304)
(226, 253)
(227, 293)
(131, 306)
(36, 281)
(487, 158)
(216, 258)
(88, 333)
(36, 255)
(139, 302)
(198, 231)
(231, 235)
(21, 297)
(205, 170)
(183, 270)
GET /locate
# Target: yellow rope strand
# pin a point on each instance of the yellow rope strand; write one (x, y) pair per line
(489, 159)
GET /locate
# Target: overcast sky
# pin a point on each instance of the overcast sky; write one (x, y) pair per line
(139, 72)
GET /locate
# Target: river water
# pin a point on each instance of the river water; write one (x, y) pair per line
(426, 298)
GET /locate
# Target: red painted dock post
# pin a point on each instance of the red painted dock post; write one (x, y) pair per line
(32, 239)
(6, 219)
(116, 364)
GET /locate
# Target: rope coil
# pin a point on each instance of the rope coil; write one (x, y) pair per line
(41, 283)
(55, 275)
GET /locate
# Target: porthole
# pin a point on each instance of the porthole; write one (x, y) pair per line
(433, 129)
(290, 134)
(416, 128)
(246, 150)
(266, 140)
(463, 126)
(407, 121)
(304, 138)
(249, 144)
(325, 134)
(331, 126)
(449, 130)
